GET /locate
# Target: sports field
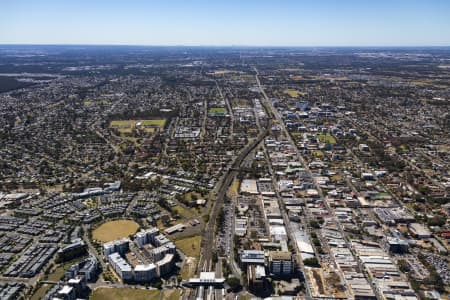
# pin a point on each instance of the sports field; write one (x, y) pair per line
(127, 126)
(125, 294)
(217, 110)
(155, 122)
(114, 230)
(327, 138)
(292, 93)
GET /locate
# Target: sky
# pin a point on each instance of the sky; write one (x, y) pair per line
(227, 22)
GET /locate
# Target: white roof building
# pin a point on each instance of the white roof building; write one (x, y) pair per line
(249, 186)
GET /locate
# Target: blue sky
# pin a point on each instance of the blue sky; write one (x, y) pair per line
(227, 22)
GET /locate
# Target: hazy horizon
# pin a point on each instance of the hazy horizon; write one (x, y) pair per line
(322, 23)
(231, 46)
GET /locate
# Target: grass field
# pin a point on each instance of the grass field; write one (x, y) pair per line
(317, 153)
(185, 212)
(123, 123)
(293, 93)
(188, 269)
(327, 138)
(127, 126)
(171, 294)
(244, 297)
(113, 230)
(125, 294)
(190, 246)
(156, 122)
(234, 188)
(60, 269)
(336, 178)
(58, 273)
(217, 110)
(125, 130)
(40, 293)
(123, 126)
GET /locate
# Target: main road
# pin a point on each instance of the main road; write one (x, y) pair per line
(277, 116)
(271, 111)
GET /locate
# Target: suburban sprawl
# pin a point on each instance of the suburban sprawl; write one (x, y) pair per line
(224, 173)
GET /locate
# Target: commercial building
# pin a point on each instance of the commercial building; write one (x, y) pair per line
(249, 187)
(88, 268)
(120, 266)
(280, 263)
(240, 227)
(419, 231)
(256, 275)
(392, 216)
(303, 244)
(151, 263)
(254, 257)
(160, 240)
(388, 281)
(165, 265)
(145, 273)
(159, 252)
(75, 249)
(146, 237)
(67, 293)
(120, 246)
(175, 228)
(397, 245)
(79, 284)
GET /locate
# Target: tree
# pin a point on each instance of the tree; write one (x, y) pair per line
(157, 284)
(314, 224)
(215, 257)
(206, 218)
(415, 284)
(311, 262)
(403, 266)
(437, 221)
(234, 283)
